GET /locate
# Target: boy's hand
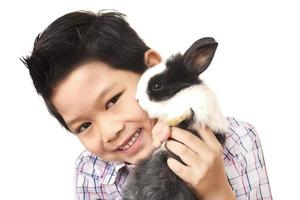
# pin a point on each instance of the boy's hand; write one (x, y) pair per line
(160, 132)
(204, 170)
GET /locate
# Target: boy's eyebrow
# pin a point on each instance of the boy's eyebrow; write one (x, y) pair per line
(102, 94)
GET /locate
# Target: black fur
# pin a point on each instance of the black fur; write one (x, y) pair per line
(175, 78)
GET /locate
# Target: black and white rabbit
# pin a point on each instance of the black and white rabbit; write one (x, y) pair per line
(172, 91)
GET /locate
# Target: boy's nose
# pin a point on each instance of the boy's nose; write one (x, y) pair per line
(111, 131)
(110, 136)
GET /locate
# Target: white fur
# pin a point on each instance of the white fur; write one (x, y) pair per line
(198, 97)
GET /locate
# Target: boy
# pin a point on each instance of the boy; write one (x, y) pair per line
(86, 67)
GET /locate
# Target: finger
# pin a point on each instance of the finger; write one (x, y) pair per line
(184, 172)
(206, 134)
(189, 139)
(160, 133)
(187, 155)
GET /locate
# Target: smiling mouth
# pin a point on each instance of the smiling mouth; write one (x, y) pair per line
(130, 141)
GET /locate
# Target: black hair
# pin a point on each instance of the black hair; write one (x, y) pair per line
(79, 37)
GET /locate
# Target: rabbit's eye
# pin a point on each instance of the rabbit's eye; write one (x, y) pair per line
(156, 86)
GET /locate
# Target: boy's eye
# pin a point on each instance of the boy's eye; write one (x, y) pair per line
(83, 127)
(112, 101)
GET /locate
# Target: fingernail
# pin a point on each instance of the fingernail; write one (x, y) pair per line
(164, 146)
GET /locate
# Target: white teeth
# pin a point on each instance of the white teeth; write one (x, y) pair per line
(131, 141)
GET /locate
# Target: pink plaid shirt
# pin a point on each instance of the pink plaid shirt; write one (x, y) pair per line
(243, 161)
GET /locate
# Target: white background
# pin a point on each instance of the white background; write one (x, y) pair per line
(254, 74)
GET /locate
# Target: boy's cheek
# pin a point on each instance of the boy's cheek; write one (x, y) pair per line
(95, 149)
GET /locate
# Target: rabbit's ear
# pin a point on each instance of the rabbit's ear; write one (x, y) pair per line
(200, 54)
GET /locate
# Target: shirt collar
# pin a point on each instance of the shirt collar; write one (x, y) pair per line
(105, 172)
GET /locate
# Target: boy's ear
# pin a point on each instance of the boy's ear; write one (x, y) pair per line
(151, 58)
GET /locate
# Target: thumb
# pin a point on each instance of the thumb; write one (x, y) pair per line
(160, 132)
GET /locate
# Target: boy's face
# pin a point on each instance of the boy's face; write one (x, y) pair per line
(98, 104)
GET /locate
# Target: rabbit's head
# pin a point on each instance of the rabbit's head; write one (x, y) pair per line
(169, 87)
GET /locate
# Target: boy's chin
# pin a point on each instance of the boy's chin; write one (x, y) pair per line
(140, 157)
